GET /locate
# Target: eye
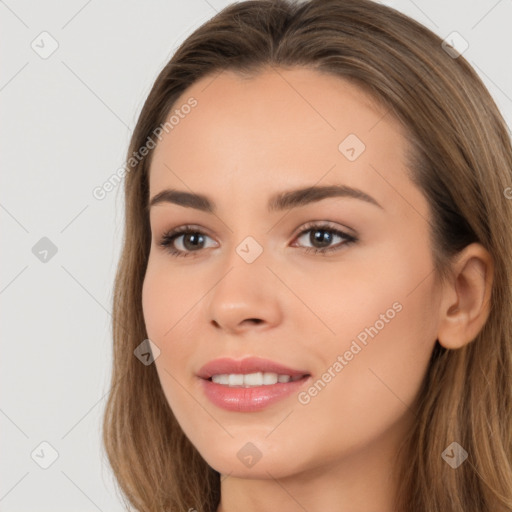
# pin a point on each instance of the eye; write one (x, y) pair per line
(192, 241)
(320, 235)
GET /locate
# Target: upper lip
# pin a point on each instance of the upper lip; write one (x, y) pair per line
(227, 365)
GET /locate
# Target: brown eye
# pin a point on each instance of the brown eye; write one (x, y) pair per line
(322, 236)
(183, 241)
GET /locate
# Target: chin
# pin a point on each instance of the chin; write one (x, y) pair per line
(246, 459)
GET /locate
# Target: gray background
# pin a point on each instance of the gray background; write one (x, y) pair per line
(66, 122)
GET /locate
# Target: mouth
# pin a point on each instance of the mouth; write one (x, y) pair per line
(256, 379)
(250, 384)
(257, 370)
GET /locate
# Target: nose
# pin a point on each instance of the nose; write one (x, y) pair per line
(246, 298)
(249, 321)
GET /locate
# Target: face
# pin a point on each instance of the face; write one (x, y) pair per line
(338, 287)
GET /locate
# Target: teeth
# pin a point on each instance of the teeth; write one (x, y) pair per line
(270, 378)
(252, 379)
(235, 380)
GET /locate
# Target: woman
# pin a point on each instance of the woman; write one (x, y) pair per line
(312, 308)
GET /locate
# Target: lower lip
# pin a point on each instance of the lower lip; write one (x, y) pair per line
(250, 399)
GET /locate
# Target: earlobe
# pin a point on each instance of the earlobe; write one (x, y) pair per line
(465, 304)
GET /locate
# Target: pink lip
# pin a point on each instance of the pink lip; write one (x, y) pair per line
(247, 365)
(240, 399)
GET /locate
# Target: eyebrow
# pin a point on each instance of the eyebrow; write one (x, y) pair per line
(278, 202)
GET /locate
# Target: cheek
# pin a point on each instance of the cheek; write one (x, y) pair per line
(163, 307)
(171, 307)
(166, 311)
(168, 298)
(382, 319)
(385, 337)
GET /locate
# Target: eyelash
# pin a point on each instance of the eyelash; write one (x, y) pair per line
(168, 239)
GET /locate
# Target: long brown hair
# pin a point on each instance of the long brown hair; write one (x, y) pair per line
(461, 159)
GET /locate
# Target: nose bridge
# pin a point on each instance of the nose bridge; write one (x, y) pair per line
(249, 242)
(245, 266)
(249, 237)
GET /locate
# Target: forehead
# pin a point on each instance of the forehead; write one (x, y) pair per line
(279, 129)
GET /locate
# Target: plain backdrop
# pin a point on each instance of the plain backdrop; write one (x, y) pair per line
(73, 79)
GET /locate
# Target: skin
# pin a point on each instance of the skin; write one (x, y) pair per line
(244, 141)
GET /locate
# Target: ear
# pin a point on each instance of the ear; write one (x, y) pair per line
(465, 303)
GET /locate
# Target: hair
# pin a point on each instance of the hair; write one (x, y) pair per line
(459, 156)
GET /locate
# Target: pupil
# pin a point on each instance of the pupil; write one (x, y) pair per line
(191, 236)
(325, 240)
